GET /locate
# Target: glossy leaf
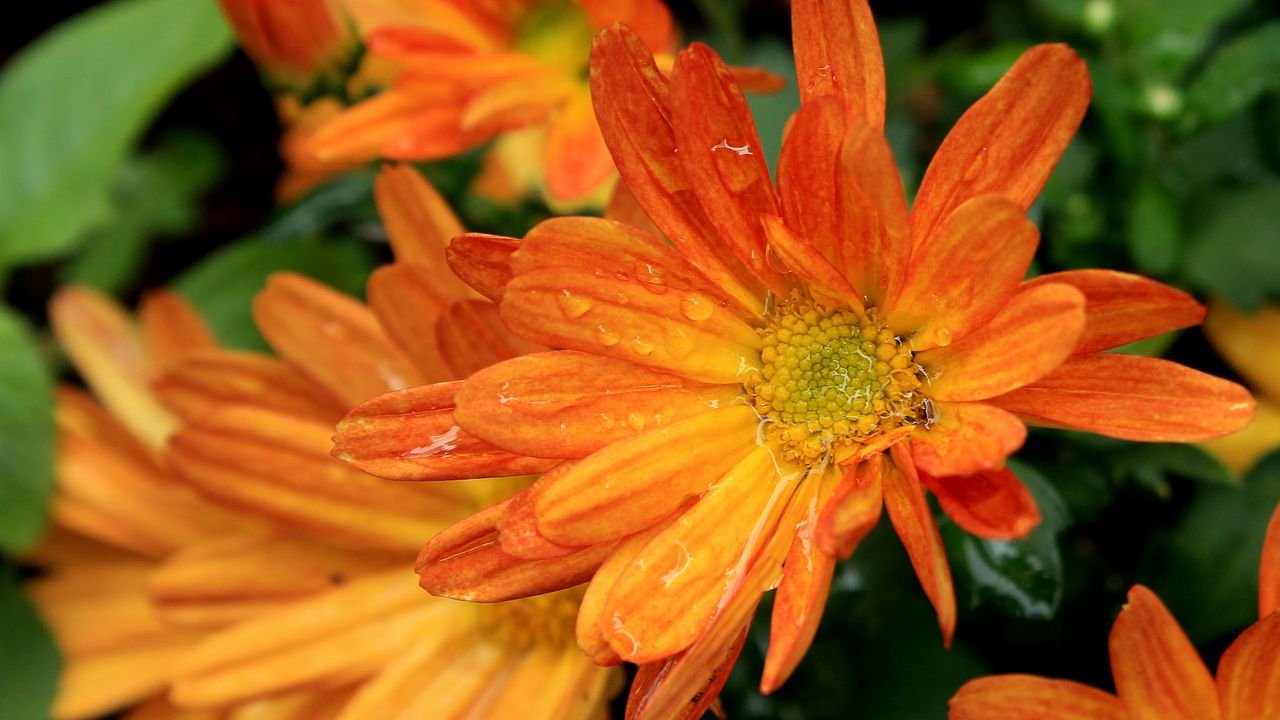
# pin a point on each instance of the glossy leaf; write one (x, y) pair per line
(29, 661)
(26, 436)
(1234, 253)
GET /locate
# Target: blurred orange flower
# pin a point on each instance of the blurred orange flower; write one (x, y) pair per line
(1250, 343)
(297, 42)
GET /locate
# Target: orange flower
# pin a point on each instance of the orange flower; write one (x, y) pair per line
(1158, 674)
(734, 411)
(1251, 344)
(297, 42)
(475, 70)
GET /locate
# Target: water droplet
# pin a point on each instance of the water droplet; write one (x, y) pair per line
(642, 346)
(679, 342)
(606, 421)
(649, 278)
(696, 308)
(942, 336)
(573, 306)
(607, 337)
(635, 421)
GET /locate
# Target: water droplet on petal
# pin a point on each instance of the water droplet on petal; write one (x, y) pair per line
(635, 421)
(650, 279)
(607, 337)
(642, 346)
(696, 308)
(678, 341)
(606, 421)
(573, 306)
(942, 336)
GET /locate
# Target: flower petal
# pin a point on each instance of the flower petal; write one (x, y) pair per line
(632, 102)
(838, 53)
(823, 281)
(206, 380)
(577, 160)
(171, 329)
(1133, 398)
(1251, 343)
(721, 155)
(517, 526)
(1027, 339)
(705, 551)
(419, 224)
(411, 435)
(853, 508)
(971, 267)
(966, 438)
(472, 337)
(807, 165)
(1269, 570)
(407, 301)
(1249, 672)
(630, 484)
(483, 262)
(1121, 308)
(1240, 450)
(1027, 697)
(909, 512)
(592, 629)
(569, 404)
(1159, 675)
(992, 504)
(649, 19)
(330, 338)
(1008, 142)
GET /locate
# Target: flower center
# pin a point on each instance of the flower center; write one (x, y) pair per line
(832, 378)
(538, 621)
(558, 33)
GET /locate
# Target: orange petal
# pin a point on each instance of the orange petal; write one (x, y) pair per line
(913, 520)
(623, 208)
(1269, 571)
(872, 244)
(838, 53)
(97, 608)
(472, 337)
(568, 404)
(967, 272)
(514, 103)
(991, 503)
(1159, 675)
(365, 130)
(407, 300)
(757, 80)
(106, 349)
(1008, 142)
(801, 596)
(696, 561)
(853, 508)
(102, 683)
(1133, 398)
(419, 224)
(483, 262)
(649, 19)
(330, 338)
(966, 438)
(1251, 343)
(720, 153)
(593, 624)
(632, 101)
(630, 484)
(1240, 450)
(411, 435)
(276, 466)
(171, 329)
(1027, 697)
(1249, 672)
(1027, 339)
(823, 281)
(517, 526)
(1121, 308)
(577, 160)
(206, 380)
(807, 165)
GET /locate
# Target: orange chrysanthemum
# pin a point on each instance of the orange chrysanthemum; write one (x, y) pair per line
(1251, 344)
(296, 42)
(734, 411)
(1158, 674)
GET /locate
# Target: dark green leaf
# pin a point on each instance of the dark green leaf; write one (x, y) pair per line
(26, 436)
(29, 661)
(76, 100)
(773, 110)
(346, 199)
(1168, 34)
(1237, 75)
(1155, 229)
(1234, 253)
(223, 286)
(973, 75)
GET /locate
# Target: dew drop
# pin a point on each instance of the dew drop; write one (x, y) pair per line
(650, 279)
(942, 336)
(573, 306)
(696, 308)
(635, 421)
(642, 346)
(679, 343)
(607, 337)
(606, 421)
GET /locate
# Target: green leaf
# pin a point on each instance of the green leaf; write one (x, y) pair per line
(26, 436)
(773, 110)
(1023, 578)
(1236, 76)
(1152, 464)
(972, 75)
(1234, 253)
(223, 286)
(76, 100)
(1168, 34)
(29, 660)
(1154, 229)
(1208, 571)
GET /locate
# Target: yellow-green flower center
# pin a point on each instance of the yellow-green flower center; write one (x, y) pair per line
(541, 621)
(558, 33)
(831, 378)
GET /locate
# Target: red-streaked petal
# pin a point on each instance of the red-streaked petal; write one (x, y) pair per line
(687, 333)
(632, 101)
(411, 435)
(629, 485)
(568, 404)
(853, 508)
(655, 683)
(823, 281)
(483, 262)
(419, 224)
(873, 246)
(1122, 308)
(517, 526)
(514, 103)
(171, 329)
(577, 160)
(593, 626)
(967, 272)
(912, 518)
(1159, 675)
(991, 504)
(705, 552)
(1008, 142)
(330, 338)
(838, 53)
(967, 438)
(1133, 398)
(1269, 571)
(1027, 339)
(206, 380)
(472, 337)
(407, 301)
(807, 166)
(720, 152)
(1027, 697)
(1249, 673)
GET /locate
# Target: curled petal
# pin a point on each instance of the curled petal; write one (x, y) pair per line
(483, 262)
(485, 573)
(991, 504)
(472, 337)
(966, 438)
(853, 508)
(823, 281)
(838, 53)
(1159, 675)
(1121, 308)
(1027, 697)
